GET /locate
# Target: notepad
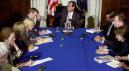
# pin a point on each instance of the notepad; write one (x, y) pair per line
(114, 64)
(42, 61)
(93, 30)
(44, 40)
(103, 59)
(46, 32)
(67, 31)
(35, 48)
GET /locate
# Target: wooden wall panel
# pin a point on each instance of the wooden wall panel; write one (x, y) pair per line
(124, 7)
(114, 5)
(7, 7)
(108, 5)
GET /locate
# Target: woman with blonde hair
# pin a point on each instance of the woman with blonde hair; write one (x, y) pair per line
(21, 39)
(24, 33)
(29, 25)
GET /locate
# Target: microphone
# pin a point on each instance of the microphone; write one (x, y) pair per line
(34, 57)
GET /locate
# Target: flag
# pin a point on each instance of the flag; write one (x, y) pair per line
(79, 2)
(52, 6)
(82, 4)
(82, 7)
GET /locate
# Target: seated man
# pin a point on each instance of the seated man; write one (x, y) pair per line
(119, 21)
(70, 15)
(108, 27)
(34, 15)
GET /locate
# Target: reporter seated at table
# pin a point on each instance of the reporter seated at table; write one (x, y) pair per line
(70, 14)
(29, 27)
(14, 53)
(34, 15)
(119, 21)
(108, 27)
(24, 33)
(122, 36)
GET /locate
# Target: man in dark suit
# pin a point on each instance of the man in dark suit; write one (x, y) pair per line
(69, 14)
(108, 27)
(33, 14)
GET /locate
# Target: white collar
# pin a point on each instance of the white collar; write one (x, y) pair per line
(70, 15)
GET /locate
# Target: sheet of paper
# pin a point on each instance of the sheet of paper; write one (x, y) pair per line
(67, 30)
(42, 61)
(103, 59)
(93, 30)
(90, 31)
(48, 39)
(48, 32)
(114, 64)
(44, 32)
(35, 48)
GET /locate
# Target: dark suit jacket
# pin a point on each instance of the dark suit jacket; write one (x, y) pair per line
(123, 51)
(110, 39)
(105, 28)
(75, 19)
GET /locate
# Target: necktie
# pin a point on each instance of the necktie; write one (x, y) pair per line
(109, 29)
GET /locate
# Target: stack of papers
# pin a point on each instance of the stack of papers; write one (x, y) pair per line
(93, 30)
(42, 61)
(44, 32)
(103, 59)
(114, 64)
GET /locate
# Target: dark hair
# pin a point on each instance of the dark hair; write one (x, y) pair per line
(5, 33)
(33, 10)
(73, 3)
(111, 14)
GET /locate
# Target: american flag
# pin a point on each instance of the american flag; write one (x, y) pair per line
(52, 6)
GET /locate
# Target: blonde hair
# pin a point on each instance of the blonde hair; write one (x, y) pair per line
(28, 22)
(19, 29)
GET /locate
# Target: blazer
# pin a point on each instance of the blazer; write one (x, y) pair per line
(75, 19)
(123, 51)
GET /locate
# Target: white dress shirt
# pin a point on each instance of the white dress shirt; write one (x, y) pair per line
(70, 15)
